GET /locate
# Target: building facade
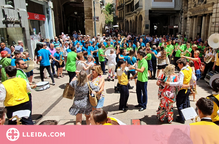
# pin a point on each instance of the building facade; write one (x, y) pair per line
(78, 15)
(200, 18)
(14, 25)
(150, 16)
(23, 20)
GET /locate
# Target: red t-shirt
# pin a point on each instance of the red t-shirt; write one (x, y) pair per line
(197, 64)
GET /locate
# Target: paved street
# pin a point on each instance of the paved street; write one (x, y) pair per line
(52, 106)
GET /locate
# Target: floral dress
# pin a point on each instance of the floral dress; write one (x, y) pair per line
(81, 102)
(167, 96)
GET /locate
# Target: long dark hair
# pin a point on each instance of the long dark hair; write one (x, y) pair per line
(163, 52)
(131, 54)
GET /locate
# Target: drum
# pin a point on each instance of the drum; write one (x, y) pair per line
(210, 76)
(40, 86)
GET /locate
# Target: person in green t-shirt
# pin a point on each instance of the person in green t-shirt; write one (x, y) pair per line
(129, 47)
(148, 57)
(101, 56)
(180, 48)
(188, 50)
(71, 64)
(109, 45)
(201, 49)
(142, 72)
(170, 50)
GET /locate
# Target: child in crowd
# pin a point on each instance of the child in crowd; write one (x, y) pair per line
(197, 63)
(148, 58)
(111, 64)
(26, 57)
(2, 115)
(58, 57)
(131, 60)
(123, 81)
(89, 63)
(99, 117)
(193, 87)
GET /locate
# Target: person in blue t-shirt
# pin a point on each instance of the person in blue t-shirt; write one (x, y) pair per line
(95, 53)
(87, 48)
(122, 54)
(141, 43)
(44, 56)
(131, 60)
(154, 61)
(4, 48)
(78, 47)
(58, 57)
(56, 43)
(17, 55)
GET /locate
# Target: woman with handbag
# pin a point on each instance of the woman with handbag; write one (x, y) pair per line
(96, 78)
(81, 104)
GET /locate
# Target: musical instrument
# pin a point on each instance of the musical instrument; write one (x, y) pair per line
(107, 51)
(17, 119)
(61, 60)
(40, 86)
(208, 58)
(121, 42)
(30, 66)
(210, 77)
(213, 41)
(183, 53)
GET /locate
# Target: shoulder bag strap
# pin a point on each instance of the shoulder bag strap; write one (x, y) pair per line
(214, 99)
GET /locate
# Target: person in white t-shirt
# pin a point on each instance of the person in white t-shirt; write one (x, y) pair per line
(111, 64)
(80, 64)
(89, 63)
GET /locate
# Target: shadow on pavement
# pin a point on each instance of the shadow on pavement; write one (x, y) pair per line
(37, 77)
(110, 90)
(152, 120)
(203, 85)
(62, 86)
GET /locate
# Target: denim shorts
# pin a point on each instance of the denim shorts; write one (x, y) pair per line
(29, 73)
(198, 74)
(100, 102)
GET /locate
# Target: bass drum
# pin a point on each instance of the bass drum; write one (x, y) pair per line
(210, 77)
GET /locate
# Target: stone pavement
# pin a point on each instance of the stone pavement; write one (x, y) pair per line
(52, 106)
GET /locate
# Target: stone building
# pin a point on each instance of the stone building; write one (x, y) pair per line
(149, 16)
(200, 17)
(75, 15)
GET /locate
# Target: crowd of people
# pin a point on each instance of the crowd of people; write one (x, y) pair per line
(176, 62)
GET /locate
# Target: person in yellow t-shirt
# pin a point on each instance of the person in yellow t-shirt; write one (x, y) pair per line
(99, 117)
(14, 94)
(122, 75)
(215, 98)
(204, 131)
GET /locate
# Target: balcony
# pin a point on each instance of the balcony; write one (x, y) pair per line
(138, 5)
(120, 7)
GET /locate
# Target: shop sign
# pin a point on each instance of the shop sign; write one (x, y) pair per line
(34, 16)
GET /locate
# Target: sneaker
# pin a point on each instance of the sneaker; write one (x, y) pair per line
(53, 83)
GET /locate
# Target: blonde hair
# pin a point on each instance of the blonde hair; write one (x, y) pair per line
(197, 51)
(79, 55)
(82, 78)
(169, 70)
(25, 53)
(98, 69)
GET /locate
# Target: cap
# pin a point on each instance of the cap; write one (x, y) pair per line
(4, 53)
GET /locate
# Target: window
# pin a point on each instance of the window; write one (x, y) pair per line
(9, 2)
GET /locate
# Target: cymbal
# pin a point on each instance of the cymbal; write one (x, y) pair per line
(30, 66)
